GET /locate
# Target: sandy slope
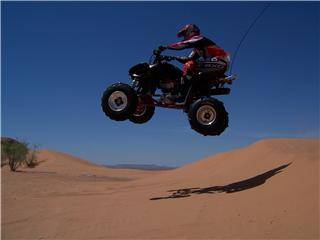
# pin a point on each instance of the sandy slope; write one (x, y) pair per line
(65, 164)
(267, 190)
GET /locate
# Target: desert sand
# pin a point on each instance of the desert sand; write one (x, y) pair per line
(269, 189)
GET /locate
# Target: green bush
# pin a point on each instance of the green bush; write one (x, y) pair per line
(14, 153)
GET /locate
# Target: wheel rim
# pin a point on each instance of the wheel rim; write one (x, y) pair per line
(118, 101)
(140, 111)
(206, 115)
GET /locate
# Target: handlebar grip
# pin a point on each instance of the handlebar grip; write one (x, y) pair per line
(156, 52)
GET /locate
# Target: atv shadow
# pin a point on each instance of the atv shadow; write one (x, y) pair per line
(230, 188)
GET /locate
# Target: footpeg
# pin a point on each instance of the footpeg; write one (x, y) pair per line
(230, 79)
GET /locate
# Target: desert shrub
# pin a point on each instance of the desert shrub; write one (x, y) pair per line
(14, 153)
(4, 158)
(5, 142)
(31, 159)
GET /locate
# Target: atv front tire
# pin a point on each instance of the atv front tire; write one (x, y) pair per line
(119, 101)
(142, 115)
(208, 116)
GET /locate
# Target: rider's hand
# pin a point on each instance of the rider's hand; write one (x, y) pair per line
(162, 48)
(156, 52)
(159, 50)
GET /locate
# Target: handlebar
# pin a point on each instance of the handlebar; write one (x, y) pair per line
(160, 58)
(168, 58)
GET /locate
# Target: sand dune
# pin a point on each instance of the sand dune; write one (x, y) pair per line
(267, 190)
(65, 164)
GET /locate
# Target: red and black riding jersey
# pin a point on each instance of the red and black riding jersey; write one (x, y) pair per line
(203, 48)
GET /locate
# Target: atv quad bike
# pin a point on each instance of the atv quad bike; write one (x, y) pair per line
(158, 84)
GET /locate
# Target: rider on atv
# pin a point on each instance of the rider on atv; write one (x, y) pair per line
(158, 84)
(206, 56)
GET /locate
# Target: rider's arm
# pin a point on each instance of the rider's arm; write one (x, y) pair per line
(193, 56)
(190, 43)
(182, 59)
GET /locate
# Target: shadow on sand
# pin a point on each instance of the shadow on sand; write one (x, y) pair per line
(230, 188)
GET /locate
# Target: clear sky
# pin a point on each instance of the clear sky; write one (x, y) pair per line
(58, 58)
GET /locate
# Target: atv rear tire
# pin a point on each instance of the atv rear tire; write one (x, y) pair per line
(143, 115)
(208, 116)
(119, 101)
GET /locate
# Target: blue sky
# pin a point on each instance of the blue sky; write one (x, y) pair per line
(58, 57)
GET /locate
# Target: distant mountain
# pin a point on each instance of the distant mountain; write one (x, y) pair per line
(150, 167)
(8, 140)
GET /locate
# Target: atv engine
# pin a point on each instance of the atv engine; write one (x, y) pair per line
(169, 89)
(169, 86)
